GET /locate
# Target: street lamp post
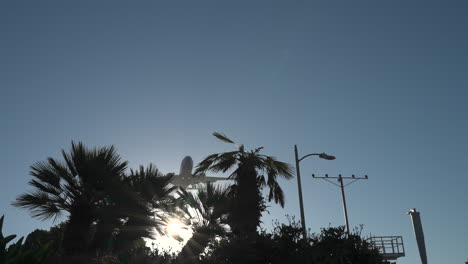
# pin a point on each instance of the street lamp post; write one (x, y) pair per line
(299, 185)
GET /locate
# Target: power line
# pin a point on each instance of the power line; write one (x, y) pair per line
(341, 179)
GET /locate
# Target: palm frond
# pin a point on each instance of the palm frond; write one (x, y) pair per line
(257, 150)
(277, 194)
(223, 137)
(41, 205)
(59, 168)
(46, 188)
(284, 169)
(45, 172)
(153, 186)
(273, 166)
(224, 162)
(205, 164)
(69, 162)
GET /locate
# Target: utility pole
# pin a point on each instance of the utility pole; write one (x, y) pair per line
(341, 179)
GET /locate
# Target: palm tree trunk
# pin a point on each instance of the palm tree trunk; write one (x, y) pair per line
(102, 239)
(76, 236)
(247, 204)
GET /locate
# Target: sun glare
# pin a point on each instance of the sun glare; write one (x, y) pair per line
(174, 227)
(173, 237)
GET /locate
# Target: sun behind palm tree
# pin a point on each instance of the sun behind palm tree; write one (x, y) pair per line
(207, 210)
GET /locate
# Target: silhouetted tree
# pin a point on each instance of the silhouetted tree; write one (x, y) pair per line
(51, 238)
(208, 210)
(86, 182)
(19, 253)
(285, 245)
(250, 168)
(156, 205)
(333, 245)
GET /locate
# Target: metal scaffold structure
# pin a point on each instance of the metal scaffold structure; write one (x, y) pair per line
(390, 247)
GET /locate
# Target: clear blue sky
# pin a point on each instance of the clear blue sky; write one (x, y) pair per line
(382, 85)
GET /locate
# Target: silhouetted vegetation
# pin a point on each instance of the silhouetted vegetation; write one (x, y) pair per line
(285, 245)
(32, 251)
(153, 192)
(107, 210)
(209, 210)
(246, 203)
(111, 210)
(86, 184)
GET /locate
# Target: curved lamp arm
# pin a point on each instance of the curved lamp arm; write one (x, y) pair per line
(321, 155)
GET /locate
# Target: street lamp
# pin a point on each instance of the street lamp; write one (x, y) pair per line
(299, 186)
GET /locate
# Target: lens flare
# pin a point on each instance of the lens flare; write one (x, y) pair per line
(174, 227)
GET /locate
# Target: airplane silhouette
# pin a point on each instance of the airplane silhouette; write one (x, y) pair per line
(186, 177)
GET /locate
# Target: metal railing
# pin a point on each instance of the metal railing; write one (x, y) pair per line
(390, 247)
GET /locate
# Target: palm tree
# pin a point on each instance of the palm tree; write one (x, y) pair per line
(208, 210)
(84, 184)
(250, 169)
(156, 204)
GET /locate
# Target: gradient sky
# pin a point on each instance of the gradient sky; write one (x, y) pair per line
(382, 85)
